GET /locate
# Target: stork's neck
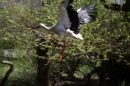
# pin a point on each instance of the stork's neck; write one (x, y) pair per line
(44, 26)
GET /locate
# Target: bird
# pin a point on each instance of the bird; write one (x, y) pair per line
(70, 21)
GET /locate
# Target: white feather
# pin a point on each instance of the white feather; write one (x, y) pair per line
(73, 34)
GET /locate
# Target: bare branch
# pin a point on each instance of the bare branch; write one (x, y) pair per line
(7, 73)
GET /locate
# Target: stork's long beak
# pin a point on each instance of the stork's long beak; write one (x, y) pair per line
(35, 27)
(38, 26)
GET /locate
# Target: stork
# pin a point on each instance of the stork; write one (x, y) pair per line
(70, 21)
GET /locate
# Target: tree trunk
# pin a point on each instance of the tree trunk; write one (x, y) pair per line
(43, 67)
(43, 63)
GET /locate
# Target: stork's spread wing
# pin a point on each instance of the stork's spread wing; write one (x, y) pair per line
(87, 14)
(68, 16)
(72, 19)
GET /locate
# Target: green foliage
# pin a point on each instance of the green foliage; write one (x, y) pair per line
(22, 73)
(105, 38)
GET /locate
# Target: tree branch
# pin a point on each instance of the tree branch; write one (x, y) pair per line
(7, 73)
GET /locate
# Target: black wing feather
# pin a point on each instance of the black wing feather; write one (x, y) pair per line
(73, 16)
(87, 14)
(84, 15)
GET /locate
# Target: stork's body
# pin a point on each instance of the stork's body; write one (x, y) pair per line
(70, 21)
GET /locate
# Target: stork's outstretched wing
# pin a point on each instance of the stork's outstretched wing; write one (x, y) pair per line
(87, 14)
(72, 19)
(68, 16)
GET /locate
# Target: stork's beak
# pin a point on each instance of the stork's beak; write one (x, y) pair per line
(38, 26)
(35, 27)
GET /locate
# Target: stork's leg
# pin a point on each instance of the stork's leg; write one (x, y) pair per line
(64, 46)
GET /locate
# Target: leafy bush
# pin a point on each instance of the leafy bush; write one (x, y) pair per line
(106, 38)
